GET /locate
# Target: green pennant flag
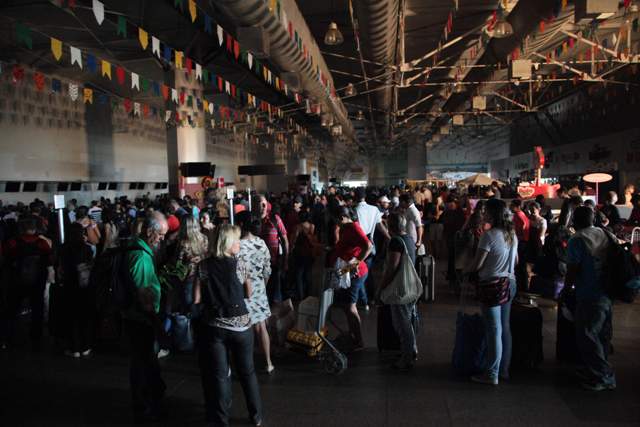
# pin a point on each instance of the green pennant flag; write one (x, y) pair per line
(205, 75)
(23, 35)
(258, 68)
(145, 84)
(177, 3)
(122, 26)
(190, 101)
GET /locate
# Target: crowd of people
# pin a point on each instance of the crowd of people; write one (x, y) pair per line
(151, 263)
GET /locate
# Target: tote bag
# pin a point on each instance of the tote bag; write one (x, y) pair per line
(406, 287)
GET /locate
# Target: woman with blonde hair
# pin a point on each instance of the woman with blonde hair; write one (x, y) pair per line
(223, 330)
(192, 248)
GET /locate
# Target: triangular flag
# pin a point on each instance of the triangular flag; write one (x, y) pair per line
(167, 115)
(135, 81)
(198, 71)
(76, 56)
(229, 43)
(91, 63)
(156, 89)
(193, 10)
(56, 48)
(167, 53)
(98, 11)
(177, 3)
(122, 26)
(18, 74)
(155, 46)
(120, 74)
(56, 85)
(136, 109)
(220, 34)
(73, 91)
(127, 105)
(250, 59)
(189, 65)
(227, 87)
(23, 35)
(182, 97)
(38, 80)
(88, 96)
(236, 48)
(165, 92)
(145, 84)
(208, 24)
(205, 105)
(143, 36)
(106, 69)
(179, 56)
(211, 108)
(174, 95)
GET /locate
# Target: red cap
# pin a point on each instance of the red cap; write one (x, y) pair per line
(174, 223)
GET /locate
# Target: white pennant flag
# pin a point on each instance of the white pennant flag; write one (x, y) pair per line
(98, 11)
(285, 21)
(76, 56)
(286, 89)
(199, 72)
(167, 115)
(211, 108)
(155, 46)
(269, 76)
(73, 91)
(227, 87)
(136, 109)
(135, 81)
(250, 60)
(220, 35)
(174, 95)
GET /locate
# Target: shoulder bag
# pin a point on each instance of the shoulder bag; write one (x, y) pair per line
(406, 287)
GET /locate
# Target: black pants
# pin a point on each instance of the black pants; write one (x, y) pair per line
(17, 293)
(215, 347)
(80, 319)
(147, 387)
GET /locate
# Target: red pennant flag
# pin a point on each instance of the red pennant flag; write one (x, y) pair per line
(127, 105)
(38, 79)
(541, 26)
(120, 74)
(493, 20)
(165, 92)
(450, 22)
(145, 110)
(220, 84)
(229, 43)
(571, 42)
(189, 65)
(18, 74)
(182, 97)
(236, 49)
(290, 30)
(233, 90)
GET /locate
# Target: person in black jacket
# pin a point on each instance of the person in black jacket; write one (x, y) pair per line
(223, 330)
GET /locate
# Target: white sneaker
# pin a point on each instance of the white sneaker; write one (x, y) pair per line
(86, 353)
(483, 379)
(74, 354)
(163, 353)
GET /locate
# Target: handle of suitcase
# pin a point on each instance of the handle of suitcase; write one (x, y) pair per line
(426, 270)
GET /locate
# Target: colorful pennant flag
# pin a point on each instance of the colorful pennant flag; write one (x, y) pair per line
(76, 56)
(98, 11)
(135, 81)
(106, 69)
(23, 35)
(120, 74)
(91, 63)
(143, 36)
(155, 46)
(122, 26)
(179, 55)
(56, 48)
(38, 79)
(73, 91)
(88, 96)
(193, 10)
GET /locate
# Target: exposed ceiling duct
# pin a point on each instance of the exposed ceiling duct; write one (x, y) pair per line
(284, 52)
(378, 27)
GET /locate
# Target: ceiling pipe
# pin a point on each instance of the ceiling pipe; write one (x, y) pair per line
(284, 52)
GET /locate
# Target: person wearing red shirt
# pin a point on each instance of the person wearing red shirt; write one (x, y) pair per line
(521, 225)
(29, 257)
(274, 234)
(353, 247)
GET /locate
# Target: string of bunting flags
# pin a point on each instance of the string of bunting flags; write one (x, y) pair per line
(89, 62)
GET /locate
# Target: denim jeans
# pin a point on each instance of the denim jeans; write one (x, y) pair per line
(215, 346)
(593, 334)
(402, 316)
(303, 266)
(147, 387)
(498, 332)
(357, 291)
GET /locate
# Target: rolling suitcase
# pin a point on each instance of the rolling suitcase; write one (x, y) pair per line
(426, 266)
(526, 332)
(566, 347)
(470, 347)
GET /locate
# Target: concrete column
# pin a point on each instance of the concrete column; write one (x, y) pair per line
(192, 141)
(416, 158)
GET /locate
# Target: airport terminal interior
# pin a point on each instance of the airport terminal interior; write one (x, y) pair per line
(320, 213)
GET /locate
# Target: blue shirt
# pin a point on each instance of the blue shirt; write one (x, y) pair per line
(589, 281)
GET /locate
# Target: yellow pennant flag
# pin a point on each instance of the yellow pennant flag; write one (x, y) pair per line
(143, 36)
(205, 104)
(106, 69)
(179, 56)
(272, 5)
(193, 11)
(88, 96)
(56, 48)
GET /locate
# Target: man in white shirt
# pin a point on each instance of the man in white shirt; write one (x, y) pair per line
(414, 220)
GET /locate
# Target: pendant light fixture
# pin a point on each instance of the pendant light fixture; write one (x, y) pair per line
(333, 37)
(502, 28)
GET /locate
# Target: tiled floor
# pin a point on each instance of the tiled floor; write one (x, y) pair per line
(51, 390)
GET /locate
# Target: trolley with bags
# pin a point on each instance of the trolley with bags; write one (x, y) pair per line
(311, 334)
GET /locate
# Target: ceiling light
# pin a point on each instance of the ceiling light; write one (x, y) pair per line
(333, 37)
(502, 29)
(360, 115)
(350, 90)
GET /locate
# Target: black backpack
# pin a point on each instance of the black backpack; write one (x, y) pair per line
(621, 271)
(113, 284)
(30, 265)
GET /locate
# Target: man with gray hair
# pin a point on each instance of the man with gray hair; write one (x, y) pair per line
(141, 319)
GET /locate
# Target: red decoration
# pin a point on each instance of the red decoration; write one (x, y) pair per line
(236, 49)
(165, 92)
(229, 43)
(120, 74)
(18, 74)
(38, 79)
(127, 105)
(145, 110)
(220, 84)
(182, 97)
(189, 65)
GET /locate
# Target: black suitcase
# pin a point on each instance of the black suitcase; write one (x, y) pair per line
(526, 332)
(388, 339)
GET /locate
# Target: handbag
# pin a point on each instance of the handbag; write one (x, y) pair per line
(84, 274)
(339, 275)
(406, 287)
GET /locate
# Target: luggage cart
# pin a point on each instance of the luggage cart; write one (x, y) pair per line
(316, 343)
